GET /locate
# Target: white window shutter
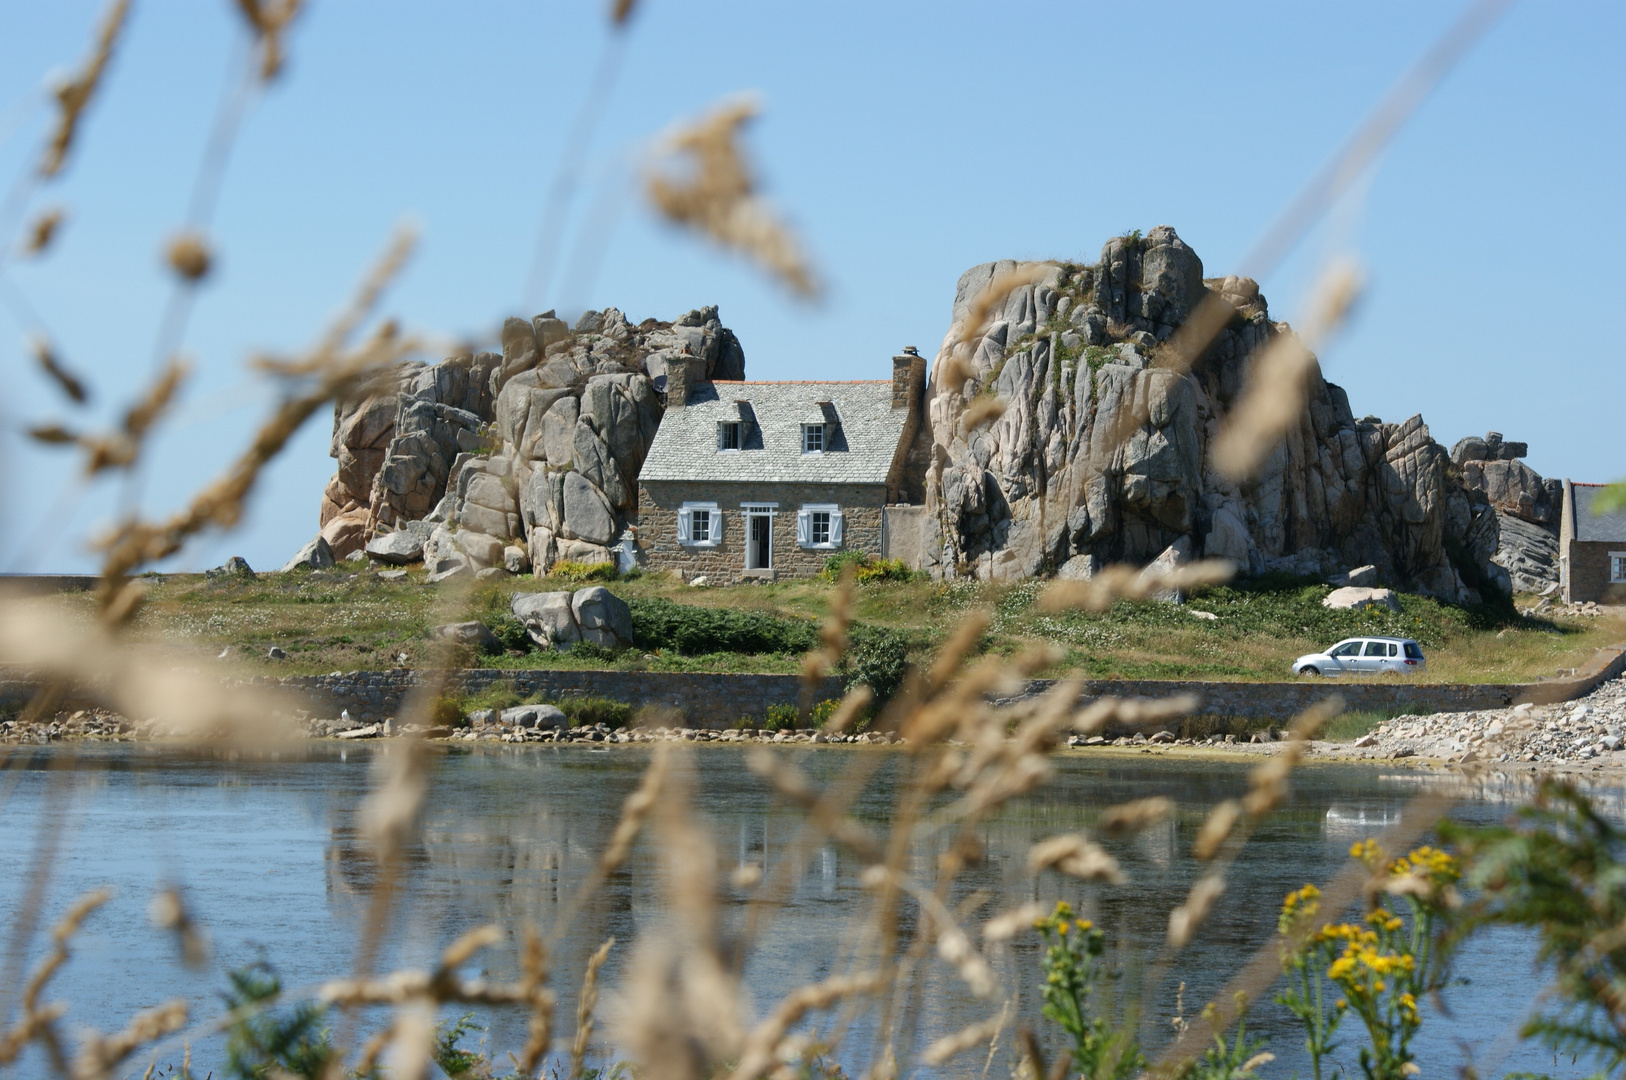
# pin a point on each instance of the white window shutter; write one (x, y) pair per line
(685, 524)
(835, 527)
(804, 526)
(716, 534)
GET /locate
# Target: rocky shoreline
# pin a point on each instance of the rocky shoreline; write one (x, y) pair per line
(1588, 733)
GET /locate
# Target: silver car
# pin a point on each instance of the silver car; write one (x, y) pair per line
(1364, 656)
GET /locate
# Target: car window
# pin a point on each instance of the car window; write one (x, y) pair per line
(1412, 651)
(1348, 648)
(1394, 650)
(1377, 648)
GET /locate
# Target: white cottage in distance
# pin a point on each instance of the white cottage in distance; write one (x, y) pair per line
(762, 480)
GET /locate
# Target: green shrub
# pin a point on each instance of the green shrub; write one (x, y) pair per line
(876, 656)
(582, 571)
(447, 711)
(866, 568)
(780, 718)
(591, 711)
(693, 631)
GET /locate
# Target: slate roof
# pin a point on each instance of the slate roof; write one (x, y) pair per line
(860, 443)
(1609, 527)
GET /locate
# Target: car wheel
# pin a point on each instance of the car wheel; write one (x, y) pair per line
(1309, 669)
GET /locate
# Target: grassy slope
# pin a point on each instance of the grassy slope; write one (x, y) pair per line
(340, 620)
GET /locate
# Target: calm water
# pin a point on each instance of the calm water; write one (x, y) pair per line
(268, 853)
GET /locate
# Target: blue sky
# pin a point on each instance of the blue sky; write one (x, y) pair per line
(905, 141)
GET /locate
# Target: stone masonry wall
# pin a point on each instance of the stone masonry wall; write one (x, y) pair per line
(658, 503)
(1589, 572)
(706, 699)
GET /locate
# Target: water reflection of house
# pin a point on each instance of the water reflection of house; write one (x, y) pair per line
(1347, 824)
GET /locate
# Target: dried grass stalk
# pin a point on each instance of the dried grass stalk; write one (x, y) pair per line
(719, 198)
(74, 95)
(1278, 384)
(1221, 820)
(1008, 924)
(1133, 816)
(169, 911)
(269, 20)
(43, 230)
(856, 701)
(792, 783)
(1076, 856)
(1267, 783)
(621, 11)
(100, 1056)
(984, 409)
(635, 811)
(1134, 712)
(762, 1045)
(533, 982)
(1124, 582)
(980, 313)
(964, 1039)
(1185, 919)
(69, 383)
(585, 1007)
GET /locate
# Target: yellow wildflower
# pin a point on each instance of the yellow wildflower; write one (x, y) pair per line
(1367, 851)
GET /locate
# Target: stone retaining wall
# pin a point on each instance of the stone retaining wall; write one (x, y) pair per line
(707, 699)
(1282, 701)
(712, 699)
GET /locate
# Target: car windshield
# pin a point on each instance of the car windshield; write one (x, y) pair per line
(1348, 648)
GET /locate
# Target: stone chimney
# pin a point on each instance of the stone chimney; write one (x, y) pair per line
(908, 378)
(683, 375)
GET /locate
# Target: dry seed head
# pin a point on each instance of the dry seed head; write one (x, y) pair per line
(764, 1041)
(956, 372)
(1280, 376)
(1221, 820)
(1185, 919)
(412, 1048)
(43, 231)
(74, 95)
(1134, 816)
(1123, 582)
(100, 1056)
(856, 701)
(621, 11)
(585, 1006)
(745, 876)
(719, 198)
(188, 255)
(52, 435)
(1008, 924)
(984, 409)
(47, 359)
(992, 298)
(1263, 1058)
(1074, 855)
(168, 911)
(964, 1039)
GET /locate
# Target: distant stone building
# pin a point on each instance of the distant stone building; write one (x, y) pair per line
(1591, 547)
(762, 480)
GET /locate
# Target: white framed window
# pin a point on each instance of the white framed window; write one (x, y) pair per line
(730, 435)
(1617, 568)
(819, 526)
(700, 524)
(812, 438)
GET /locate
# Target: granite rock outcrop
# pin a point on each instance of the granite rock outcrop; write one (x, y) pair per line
(519, 459)
(1103, 451)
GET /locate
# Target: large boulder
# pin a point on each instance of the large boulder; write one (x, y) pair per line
(587, 515)
(316, 555)
(398, 548)
(474, 634)
(603, 618)
(549, 618)
(1353, 598)
(535, 716)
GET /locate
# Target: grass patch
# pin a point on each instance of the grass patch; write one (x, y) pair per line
(1352, 725)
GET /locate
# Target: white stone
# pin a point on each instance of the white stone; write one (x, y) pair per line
(1351, 597)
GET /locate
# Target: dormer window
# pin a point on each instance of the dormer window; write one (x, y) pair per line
(812, 438)
(730, 435)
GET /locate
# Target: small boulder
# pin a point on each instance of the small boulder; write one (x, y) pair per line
(234, 567)
(274, 653)
(1353, 598)
(318, 555)
(535, 716)
(474, 633)
(491, 573)
(370, 731)
(450, 567)
(548, 617)
(482, 717)
(392, 575)
(603, 617)
(515, 559)
(397, 548)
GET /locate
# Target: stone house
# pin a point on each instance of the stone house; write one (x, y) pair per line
(1591, 547)
(762, 480)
